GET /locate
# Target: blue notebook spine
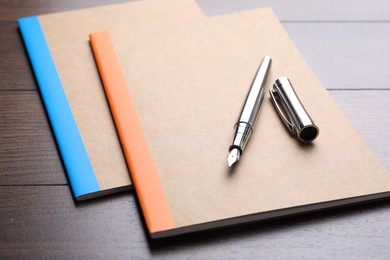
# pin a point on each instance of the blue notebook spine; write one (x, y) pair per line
(74, 155)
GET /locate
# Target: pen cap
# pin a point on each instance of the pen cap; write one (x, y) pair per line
(297, 118)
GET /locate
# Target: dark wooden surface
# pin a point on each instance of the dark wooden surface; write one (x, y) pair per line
(347, 43)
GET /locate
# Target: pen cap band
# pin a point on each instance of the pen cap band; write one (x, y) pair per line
(300, 120)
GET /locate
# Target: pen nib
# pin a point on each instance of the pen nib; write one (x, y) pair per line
(233, 157)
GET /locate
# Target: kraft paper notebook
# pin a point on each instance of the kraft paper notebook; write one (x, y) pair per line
(58, 48)
(175, 106)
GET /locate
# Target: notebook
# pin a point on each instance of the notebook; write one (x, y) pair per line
(58, 48)
(184, 89)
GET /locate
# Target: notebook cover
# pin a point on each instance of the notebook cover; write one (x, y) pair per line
(186, 86)
(129, 130)
(58, 48)
(70, 145)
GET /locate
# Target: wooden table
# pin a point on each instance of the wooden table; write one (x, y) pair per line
(347, 43)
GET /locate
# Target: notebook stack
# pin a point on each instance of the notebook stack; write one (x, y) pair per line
(150, 91)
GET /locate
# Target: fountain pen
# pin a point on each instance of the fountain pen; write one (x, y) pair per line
(249, 112)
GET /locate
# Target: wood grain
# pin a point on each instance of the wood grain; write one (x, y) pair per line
(369, 112)
(301, 10)
(44, 222)
(345, 55)
(12, 10)
(15, 71)
(28, 154)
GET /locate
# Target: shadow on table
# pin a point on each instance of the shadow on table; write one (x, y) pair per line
(301, 223)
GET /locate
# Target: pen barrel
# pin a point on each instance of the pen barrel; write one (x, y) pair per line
(305, 128)
(256, 93)
(243, 131)
(250, 110)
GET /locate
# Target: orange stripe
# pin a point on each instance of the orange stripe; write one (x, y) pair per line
(139, 160)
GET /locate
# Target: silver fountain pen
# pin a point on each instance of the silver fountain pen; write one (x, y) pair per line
(247, 119)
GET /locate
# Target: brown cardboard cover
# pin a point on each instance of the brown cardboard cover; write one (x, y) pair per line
(67, 36)
(188, 84)
(188, 79)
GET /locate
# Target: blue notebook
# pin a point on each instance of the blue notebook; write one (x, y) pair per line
(93, 158)
(63, 63)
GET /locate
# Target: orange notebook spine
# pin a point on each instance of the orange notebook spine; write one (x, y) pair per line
(144, 175)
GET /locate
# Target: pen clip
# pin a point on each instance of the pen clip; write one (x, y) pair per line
(285, 118)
